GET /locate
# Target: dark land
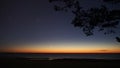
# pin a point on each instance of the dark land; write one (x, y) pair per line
(18, 62)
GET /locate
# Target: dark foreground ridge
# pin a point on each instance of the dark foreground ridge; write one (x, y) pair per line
(57, 63)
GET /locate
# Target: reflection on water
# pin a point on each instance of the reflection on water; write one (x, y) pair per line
(60, 56)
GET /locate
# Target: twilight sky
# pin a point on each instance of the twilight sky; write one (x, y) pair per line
(33, 26)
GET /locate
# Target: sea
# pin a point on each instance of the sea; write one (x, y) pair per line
(62, 55)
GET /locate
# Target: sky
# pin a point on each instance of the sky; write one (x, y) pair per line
(34, 26)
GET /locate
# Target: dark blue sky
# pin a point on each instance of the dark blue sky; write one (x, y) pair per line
(31, 21)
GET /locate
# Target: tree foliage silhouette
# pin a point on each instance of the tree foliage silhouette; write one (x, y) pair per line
(104, 19)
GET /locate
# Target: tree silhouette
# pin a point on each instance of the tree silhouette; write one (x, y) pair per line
(103, 18)
(112, 1)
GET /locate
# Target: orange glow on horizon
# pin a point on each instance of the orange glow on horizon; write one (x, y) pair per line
(63, 48)
(25, 50)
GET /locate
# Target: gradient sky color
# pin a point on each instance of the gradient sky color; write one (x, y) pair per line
(67, 47)
(33, 26)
